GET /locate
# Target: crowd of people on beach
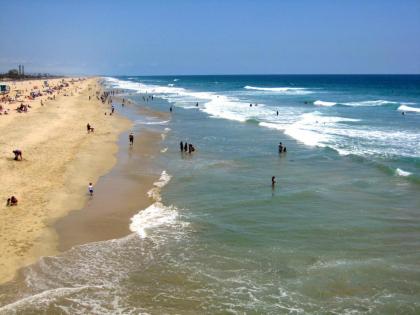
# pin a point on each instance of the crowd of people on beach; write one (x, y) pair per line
(46, 91)
(16, 95)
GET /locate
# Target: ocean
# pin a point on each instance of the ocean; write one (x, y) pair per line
(338, 234)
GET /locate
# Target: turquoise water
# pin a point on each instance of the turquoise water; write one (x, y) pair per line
(339, 234)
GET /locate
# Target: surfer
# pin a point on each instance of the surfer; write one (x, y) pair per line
(277, 113)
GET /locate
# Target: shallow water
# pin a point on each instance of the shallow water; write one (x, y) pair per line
(339, 234)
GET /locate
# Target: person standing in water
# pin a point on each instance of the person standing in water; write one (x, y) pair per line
(131, 139)
(181, 146)
(273, 181)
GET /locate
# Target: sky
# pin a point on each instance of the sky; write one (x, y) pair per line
(158, 37)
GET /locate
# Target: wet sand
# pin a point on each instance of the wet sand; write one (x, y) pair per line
(122, 192)
(118, 195)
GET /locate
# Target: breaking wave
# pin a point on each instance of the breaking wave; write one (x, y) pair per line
(280, 90)
(405, 108)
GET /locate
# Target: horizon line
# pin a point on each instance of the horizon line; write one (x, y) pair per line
(245, 74)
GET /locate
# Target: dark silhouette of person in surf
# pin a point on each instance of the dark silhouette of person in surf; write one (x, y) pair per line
(131, 139)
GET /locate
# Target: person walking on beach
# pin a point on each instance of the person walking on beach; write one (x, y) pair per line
(131, 139)
(112, 109)
(88, 128)
(90, 188)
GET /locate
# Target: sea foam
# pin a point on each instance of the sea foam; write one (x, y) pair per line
(153, 216)
(405, 108)
(280, 90)
(156, 214)
(400, 172)
(323, 103)
(369, 103)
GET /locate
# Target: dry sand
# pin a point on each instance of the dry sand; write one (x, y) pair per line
(59, 160)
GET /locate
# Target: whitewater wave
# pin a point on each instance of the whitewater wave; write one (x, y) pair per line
(215, 105)
(313, 129)
(163, 180)
(323, 103)
(155, 215)
(370, 103)
(405, 108)
(280, 90)
(400, 172)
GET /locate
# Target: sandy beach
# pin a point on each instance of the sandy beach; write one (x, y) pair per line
(59, 160)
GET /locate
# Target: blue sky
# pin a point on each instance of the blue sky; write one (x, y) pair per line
(211, 37)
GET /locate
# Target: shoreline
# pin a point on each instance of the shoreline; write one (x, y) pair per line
(123, 191)
(59, 159)
(119, 195)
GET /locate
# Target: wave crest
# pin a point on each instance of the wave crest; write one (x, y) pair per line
(405, 108)
(281, 90)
